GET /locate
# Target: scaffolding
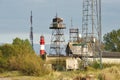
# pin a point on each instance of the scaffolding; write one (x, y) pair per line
(74, 34)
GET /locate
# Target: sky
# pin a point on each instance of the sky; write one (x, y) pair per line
(15, 17)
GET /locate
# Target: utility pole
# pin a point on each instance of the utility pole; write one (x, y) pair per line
(100, 33)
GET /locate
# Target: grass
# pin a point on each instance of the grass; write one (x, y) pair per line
(110, 73)
(11, 74)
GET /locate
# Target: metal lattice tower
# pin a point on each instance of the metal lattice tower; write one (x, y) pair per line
(91, 28)
(57, 39)
(74, 34)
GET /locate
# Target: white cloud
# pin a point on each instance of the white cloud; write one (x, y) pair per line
(8, 37)
(34, 1)
(111, 1)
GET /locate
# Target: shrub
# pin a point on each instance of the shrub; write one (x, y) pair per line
(96, 65)
(21, 57)
(58, 64)
(101, 77)
(29, 64)
(1, 70)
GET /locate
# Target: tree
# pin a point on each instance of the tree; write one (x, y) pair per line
(22, 46)
(112, 41)
(7, 50)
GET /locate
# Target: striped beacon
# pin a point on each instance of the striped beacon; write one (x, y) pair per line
(42, 45)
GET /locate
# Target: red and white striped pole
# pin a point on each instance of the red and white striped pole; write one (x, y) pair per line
(42, 45)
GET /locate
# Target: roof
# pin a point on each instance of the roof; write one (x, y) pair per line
(111, 54)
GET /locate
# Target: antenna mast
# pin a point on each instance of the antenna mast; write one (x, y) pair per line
(31, 30)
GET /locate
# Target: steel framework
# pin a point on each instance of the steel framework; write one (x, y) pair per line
(91, 29)
(74, 34)
(57, 39)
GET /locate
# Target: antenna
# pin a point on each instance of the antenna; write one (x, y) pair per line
(31, 30)
(56, 15)
(31, 18)
(71, 22)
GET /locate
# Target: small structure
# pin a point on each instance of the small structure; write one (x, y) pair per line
(72, 64)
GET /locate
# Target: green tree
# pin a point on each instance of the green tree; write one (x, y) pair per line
(7, 50)
(112, 41)
(0, 53)
(23, 46)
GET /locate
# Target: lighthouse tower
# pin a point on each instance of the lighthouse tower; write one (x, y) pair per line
(42, 45)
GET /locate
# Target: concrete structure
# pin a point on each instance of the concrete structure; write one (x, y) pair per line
(72, 63)
(107, 57)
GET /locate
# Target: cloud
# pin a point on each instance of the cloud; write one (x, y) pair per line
(35, 1)
(111, 1)
(15, 16)
(8, 37)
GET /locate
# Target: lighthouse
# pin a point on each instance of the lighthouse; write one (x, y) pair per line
(42, 45)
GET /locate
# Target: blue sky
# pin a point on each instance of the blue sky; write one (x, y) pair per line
(15, 17)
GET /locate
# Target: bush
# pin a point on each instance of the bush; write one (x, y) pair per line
(96, 65)
(58, 64)
(29, 64)
(101, 77)
(21, 57)
(1, 70)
